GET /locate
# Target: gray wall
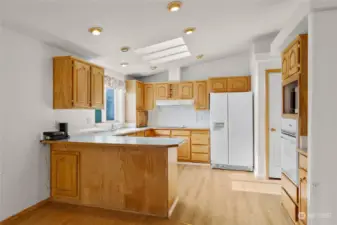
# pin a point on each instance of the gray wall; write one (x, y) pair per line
(235, 65)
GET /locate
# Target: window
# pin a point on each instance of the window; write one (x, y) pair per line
(109, 111)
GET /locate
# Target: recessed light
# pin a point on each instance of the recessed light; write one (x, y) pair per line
(174, 6)
(200, 56)
(189, 30)
(124, 64)
(153, 67)
(125, 49)
(95, 30)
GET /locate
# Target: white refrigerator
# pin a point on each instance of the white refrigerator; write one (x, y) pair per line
(231, 116)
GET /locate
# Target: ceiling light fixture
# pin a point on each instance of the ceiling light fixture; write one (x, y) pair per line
(124, 64)
(174, 6)
(200, 56)
(153, 67)
(96, 30)
(189, 30)
(125, 49)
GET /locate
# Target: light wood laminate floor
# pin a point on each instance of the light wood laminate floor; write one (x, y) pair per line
(207, 197)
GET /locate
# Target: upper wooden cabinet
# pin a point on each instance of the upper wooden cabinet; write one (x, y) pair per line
(64, 174)
(97, 87)
(149, 100)
(201, 95)
(186, 90)
(162, 91)
(77, 84)
(174, 91)
(229, 84)
(295, 57)
(139, 95)
(218, 84)
(238, 84)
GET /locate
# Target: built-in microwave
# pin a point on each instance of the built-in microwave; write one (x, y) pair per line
(294, 100)
(291, 98)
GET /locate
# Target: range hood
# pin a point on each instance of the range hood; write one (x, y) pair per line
(174, 75)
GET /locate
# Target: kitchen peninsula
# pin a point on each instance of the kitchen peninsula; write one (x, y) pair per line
(134, 174)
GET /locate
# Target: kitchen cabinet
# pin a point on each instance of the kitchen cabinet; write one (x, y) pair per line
(217, 84)
(149, 100)
(65, 174)
(97, 87)
(184, 151)
(284, 66)
(186, 90)
(200, 95)
(200, 146)
(142, 117)
(303, 197)
(289, 206)
(238, 84)
(162, 133)
(139, 95)
(162, 91)
(294, 58)
(77, 84)
(174, 91)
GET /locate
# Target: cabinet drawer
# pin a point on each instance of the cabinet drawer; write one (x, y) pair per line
(162, 132)
(141, 134)
(149, 133)
(198, 157)
(289, 205)
(289, 187)
(181, 133)
(200, 139)
(303, 162)
(200, 149)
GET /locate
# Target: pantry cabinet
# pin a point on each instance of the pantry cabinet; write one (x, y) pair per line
(65, 174)
(201, 95)
(77, 84)
(149, 100)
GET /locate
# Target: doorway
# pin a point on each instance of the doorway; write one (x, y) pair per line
(273, 123)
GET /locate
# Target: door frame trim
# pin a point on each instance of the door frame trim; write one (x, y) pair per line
(268, 72)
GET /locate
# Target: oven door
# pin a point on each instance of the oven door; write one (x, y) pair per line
(289, 162)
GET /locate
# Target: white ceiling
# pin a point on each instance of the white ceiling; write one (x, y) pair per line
(223, 27)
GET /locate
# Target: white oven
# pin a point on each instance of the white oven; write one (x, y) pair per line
(289, 162)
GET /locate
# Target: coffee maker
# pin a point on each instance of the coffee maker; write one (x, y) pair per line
(57, 135)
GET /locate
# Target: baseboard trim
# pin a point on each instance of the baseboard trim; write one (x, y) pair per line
(23, 212)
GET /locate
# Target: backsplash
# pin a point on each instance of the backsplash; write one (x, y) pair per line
(178, 116)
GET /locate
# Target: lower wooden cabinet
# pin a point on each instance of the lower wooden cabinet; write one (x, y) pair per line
(65, 174)
(303, 189)
(289, 205)
(184, 151)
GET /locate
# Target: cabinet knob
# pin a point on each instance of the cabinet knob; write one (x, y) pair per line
(272, 129)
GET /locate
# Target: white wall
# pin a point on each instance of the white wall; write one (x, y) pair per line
(322, 179)
(26, 88)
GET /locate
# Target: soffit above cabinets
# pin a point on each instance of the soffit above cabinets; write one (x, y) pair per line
(165, 51)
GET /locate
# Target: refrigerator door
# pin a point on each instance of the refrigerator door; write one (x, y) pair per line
(219, 129)
(240, 130)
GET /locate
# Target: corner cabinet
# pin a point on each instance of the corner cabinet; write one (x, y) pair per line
(77, 84)
(201, 95)
(64, 174)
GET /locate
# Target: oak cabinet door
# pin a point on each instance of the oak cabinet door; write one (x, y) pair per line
(184, 151)
(238, 84)
(65, 174)
(303, 197)
(148, 97)
(97, 88)
(200, 95)
(186, 90)
(285, 66)
(81, 85)
(294, 59)
(140, 96)
(162, 91)
(218, 84)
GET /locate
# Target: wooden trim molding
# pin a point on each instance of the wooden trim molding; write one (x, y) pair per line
(23, 212)
(268, 72)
